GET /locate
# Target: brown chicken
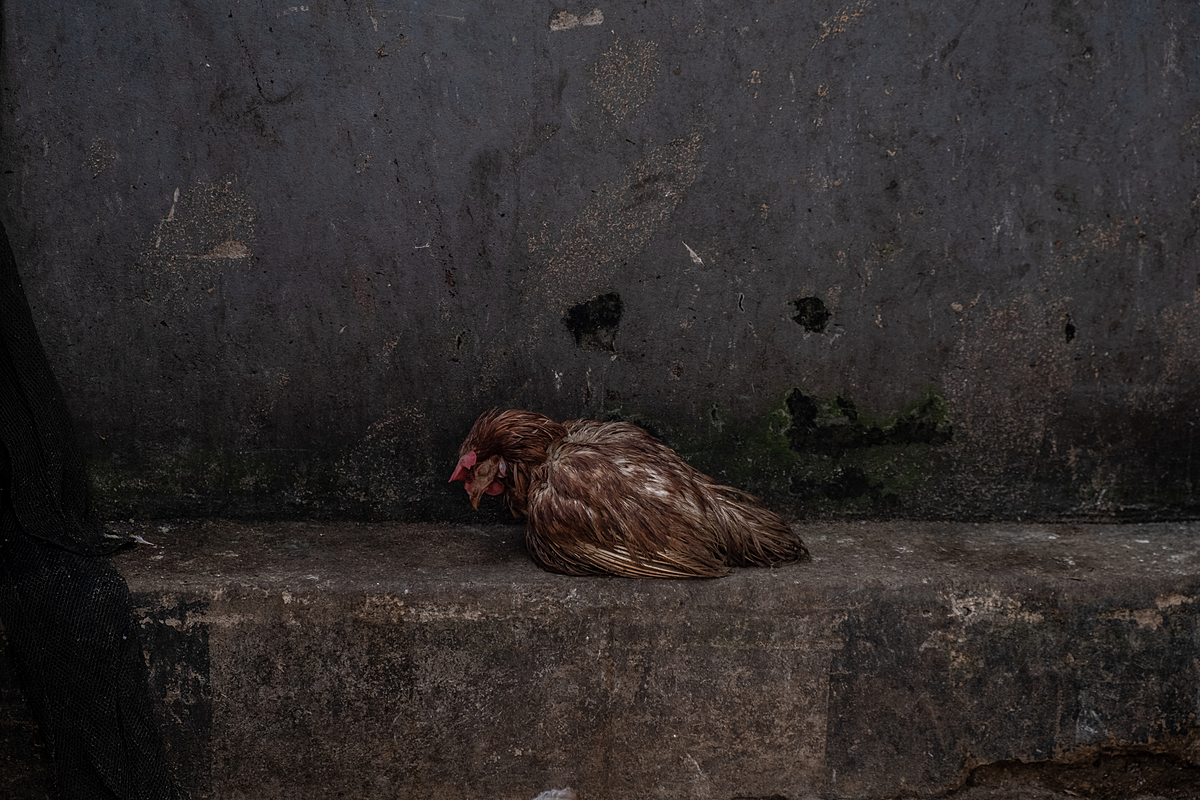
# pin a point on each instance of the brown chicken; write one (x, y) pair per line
(607, 497)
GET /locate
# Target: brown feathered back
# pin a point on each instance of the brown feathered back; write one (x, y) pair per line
(607, 497)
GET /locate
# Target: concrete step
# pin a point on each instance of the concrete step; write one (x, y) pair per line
(297, 660)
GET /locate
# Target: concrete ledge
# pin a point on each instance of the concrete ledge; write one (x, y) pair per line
(379, 661)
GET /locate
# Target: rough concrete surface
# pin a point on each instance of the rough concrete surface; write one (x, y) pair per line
(866, 257)
(384, 660)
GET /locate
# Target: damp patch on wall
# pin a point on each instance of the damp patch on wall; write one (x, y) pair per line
(594, 323)
(810, 313)
(820, 456)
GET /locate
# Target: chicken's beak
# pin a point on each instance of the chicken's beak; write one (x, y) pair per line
(474, 495)
(482, 478)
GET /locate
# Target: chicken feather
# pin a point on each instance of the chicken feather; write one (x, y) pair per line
(607, 497)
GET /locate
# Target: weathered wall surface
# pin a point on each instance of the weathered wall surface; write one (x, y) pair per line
(864, 257)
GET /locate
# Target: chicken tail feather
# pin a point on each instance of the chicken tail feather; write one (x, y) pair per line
(755, 535)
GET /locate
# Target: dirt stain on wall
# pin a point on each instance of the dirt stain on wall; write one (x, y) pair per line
(565, 20)
(208, 230)
(1015, 368)
(577, 261)
(842, 21)
(100, 156)
(623, 78)
(378, 470)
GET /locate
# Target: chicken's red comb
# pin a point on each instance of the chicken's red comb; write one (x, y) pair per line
(464, 464)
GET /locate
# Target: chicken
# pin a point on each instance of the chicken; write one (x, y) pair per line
(607, 497)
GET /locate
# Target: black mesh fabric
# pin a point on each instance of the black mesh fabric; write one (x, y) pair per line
(67, 612)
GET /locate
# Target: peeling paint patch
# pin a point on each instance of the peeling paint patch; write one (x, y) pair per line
(1170, 600)
(1144, 617)
(565, 20)
(614, 226)
(207, 229)
(100, 156)
(229, 249)
(973, 608)
(1094, 239)
(623, 78)
(842, 21)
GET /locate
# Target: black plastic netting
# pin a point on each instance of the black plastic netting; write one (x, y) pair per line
(67, 612)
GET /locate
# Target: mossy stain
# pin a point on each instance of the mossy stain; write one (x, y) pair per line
(817, 456)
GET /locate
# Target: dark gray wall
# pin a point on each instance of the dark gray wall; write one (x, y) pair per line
(863, 257)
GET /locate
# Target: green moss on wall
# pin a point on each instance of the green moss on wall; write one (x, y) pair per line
(807, 456)
(215, 482)
(819, 456)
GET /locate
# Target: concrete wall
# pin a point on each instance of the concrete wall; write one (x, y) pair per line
(864, 257)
